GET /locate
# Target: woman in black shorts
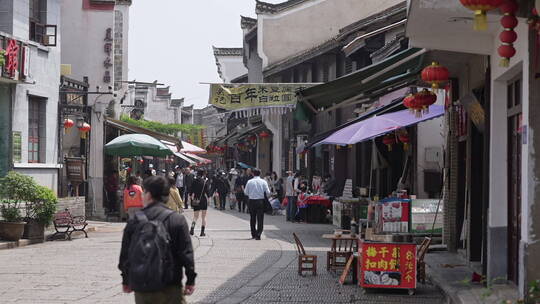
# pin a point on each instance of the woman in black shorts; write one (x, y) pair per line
(199, 191)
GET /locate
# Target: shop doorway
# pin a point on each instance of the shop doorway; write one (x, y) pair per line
(514, 177)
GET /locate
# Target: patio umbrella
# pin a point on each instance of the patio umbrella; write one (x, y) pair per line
(136, 145)
(379, 125)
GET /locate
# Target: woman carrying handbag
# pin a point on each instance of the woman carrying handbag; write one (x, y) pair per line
(199, 200)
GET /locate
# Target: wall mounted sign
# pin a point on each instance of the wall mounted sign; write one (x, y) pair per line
(253, 96)
(107, 48)
(17, 146)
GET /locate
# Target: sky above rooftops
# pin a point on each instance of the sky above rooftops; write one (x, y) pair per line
(171, 41)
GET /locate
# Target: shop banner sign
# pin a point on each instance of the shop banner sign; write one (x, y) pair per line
(388, 265)
(252, 96)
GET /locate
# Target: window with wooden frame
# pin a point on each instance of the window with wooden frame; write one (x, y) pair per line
(40, 31)
(36, 129)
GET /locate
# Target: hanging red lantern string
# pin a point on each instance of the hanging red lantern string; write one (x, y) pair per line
(403, 137)
(68, 124)
(435, 74)
(508, 36)
(389, 140)
(85, 128)
(480, 7)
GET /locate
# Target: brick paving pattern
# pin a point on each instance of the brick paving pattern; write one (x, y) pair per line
(231, 267)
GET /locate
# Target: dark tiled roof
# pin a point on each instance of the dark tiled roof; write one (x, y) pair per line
(345, 35)
(247, 22)
(177, 102)
(227, 51)
(397, 9)
(303, 56)
(270, 8)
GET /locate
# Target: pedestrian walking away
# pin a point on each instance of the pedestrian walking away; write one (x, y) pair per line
(188, 182)
(156, 249)
(174, 202)
(257, 190)
(133, 197)
(199, 201)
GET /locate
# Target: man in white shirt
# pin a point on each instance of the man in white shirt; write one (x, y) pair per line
(256, 188)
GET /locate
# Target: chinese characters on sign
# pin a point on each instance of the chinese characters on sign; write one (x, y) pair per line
(386, 265)
(107, 48)
(12, 58)
(246, 96)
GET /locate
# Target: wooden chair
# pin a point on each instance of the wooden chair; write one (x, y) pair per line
(304, 258)
(340, 253)
(420, 264)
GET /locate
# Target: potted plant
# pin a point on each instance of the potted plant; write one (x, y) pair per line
(39, 213)
(12, 226)
(40, 202)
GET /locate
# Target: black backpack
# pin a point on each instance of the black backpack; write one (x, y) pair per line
(151, 264)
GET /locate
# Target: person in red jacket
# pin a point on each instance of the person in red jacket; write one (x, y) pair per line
(133, 197)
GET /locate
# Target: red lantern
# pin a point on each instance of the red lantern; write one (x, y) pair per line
(480, 7)
(68, 124)
(264, 134)
(389, 140)
(508, 36)
(85, 128)
(435, 74)
(423, 100)
(405, 139)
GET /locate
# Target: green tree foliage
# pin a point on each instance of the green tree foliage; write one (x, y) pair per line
(169, 129)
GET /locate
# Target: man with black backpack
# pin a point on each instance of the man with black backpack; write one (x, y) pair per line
(156, 246)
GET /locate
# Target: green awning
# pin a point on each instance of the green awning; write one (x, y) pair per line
(395, 69)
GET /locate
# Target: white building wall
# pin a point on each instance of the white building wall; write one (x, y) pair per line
(44, 82)
(430, 134)
(231, 67)
(84, 33)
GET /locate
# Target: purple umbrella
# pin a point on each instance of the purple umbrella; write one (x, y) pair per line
(379, 125)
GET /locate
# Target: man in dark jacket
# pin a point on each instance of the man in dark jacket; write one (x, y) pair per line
(155, 189)
(188, 182)
(222, 188)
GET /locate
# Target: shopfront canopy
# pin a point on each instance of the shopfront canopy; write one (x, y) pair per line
(130, 145)
(379, 125)
(191, 148)
(198, 159)
(368, 81)
(179, 154)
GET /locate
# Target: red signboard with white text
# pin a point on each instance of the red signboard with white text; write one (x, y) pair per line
(388, 265)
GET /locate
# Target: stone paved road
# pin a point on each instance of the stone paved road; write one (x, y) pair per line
(231, 267)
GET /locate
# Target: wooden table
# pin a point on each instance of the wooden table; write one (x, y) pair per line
(343, 246)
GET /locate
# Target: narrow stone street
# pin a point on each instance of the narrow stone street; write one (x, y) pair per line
(232, 268)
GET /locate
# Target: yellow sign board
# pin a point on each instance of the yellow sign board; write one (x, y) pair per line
(249, 96)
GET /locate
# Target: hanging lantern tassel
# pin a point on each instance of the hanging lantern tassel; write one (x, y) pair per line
(508, 36)
(68, 124)
(480, 7)
(84, 129)
(404, 138)
(389, 140)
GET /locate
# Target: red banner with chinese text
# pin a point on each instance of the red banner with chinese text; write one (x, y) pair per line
(388, 265)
